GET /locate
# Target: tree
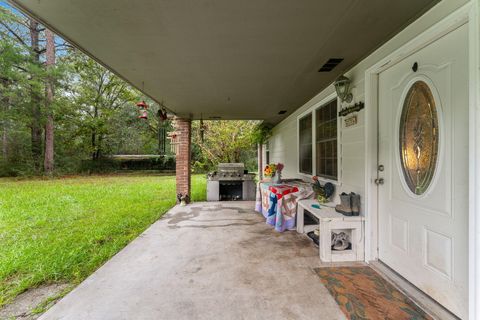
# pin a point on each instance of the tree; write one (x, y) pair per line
(224, 141)
(36, 99)
(67, 98)
(99, 96)
(49, 95)
(26, 34)
(14, 71)
(9, 81)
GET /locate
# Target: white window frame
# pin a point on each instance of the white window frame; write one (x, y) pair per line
(300, 117)
(312, 110)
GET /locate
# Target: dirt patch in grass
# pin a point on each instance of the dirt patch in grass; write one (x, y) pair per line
(32, 303)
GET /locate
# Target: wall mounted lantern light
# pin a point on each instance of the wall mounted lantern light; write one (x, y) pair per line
(342, 87)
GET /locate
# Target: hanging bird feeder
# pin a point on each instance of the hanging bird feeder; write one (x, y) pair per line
(162, 114)
(173, 136)
(202, 128)
(142, 109)
(162, 129)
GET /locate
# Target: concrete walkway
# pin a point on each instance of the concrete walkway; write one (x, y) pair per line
(206, 261)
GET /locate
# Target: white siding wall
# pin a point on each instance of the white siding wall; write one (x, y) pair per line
(284, 142)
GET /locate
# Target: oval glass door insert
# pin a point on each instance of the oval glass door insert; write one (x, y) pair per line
(419, 137)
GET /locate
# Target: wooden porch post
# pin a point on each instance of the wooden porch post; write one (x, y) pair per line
(260, 161)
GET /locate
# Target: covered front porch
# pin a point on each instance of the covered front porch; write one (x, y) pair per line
(280, 63)
(206, 261)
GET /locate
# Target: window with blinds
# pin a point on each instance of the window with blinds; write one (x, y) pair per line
(326, 157)
(305, 144)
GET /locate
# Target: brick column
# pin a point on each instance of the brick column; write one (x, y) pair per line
(183, 127)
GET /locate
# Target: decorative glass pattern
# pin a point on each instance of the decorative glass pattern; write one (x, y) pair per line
(419, 137)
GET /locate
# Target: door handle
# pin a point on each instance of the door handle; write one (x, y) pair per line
(379, 181)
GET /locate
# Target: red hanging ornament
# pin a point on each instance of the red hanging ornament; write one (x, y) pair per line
(143, 114)
(142, 109)
(142, 104)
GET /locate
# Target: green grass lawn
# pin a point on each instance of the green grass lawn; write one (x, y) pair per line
(61, 230)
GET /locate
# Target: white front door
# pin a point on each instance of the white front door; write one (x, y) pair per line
(423, 160)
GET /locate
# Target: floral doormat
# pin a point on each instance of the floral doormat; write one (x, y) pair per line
(362, 293)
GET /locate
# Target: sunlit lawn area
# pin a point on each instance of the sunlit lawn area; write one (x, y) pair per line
(61, 230)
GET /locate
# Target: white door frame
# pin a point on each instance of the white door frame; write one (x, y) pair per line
(469, 13)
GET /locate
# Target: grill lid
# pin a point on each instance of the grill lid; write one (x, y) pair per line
(228, 171)
(231, 167)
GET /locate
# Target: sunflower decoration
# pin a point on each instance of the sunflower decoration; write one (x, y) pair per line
(270, 170)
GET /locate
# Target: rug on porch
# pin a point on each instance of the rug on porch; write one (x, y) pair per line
(362, 293)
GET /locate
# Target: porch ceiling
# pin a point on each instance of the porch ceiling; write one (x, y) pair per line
(232, 59)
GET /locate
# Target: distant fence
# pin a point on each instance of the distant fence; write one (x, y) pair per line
(129, 163)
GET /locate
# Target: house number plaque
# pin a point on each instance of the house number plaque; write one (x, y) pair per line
(351, 121)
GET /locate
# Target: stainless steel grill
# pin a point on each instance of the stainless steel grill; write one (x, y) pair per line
(230, 182)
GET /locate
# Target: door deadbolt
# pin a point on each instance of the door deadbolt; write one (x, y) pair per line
(379, 181)
(381, 167)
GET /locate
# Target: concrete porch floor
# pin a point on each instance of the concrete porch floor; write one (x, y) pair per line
(206, 261)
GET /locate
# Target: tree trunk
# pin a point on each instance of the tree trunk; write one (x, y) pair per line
(99, 144)
(5, 103)
(94, 145)
(36, 124)
(94, 136)
(49, 94)
(5, 142)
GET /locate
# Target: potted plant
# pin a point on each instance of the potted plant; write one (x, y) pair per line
(273, 171)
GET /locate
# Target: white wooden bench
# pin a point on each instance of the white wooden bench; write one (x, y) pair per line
(331, 221)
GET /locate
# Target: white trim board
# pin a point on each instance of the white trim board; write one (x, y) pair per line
(474, 162)
(469, 13)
